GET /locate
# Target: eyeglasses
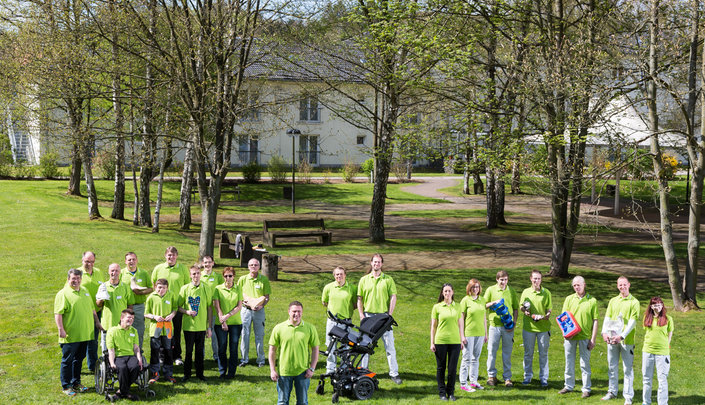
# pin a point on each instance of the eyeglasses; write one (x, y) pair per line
(228, 276)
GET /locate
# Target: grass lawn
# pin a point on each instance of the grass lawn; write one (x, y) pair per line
(527, 229)
(44, 233)
(444, 213)
(636, 250)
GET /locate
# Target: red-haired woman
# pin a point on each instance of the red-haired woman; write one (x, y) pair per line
(658, 329)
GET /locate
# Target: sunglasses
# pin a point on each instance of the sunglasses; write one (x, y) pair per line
(229, 276)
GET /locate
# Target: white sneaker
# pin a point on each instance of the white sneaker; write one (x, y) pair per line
(178, 362)
(608, 396)
(467, 388)
(477, 386)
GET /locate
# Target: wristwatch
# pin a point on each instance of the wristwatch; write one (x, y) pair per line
(312, 369)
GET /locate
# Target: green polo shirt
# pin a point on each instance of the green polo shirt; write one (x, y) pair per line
(541, 303)
(142, 279)
(204, 296)
(76, 307)
(92, 282)
(474, 310)
(212, 280)
(628, 308)
(177, 275)
(656, 337)
(341, 299)
(123, 341)
(120, 297)
(376, 292)
(160, 306)
(585, 312)
(447, 328)
(493, 293)
(294, 345)
(254, 287)
(228, 298)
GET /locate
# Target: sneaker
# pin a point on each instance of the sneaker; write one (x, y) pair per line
(178, 362)
(70, 392)
(243, 363)
(467, 388)
(508, 383)
(260, 365)
(154, 378)
(564, 391)
(526, 382)
(171, 379)
(396, 379)
(79, 388)
(442, 397)
(627, 402)
(452, 398)
(586, 394)
(492, 381)
(477, 386)
(608, 396)
(544, 384)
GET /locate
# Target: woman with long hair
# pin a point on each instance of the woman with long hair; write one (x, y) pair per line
(472, 308)
(658, 328)
(447, 334)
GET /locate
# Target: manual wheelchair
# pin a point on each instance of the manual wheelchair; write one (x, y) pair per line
(106, 379)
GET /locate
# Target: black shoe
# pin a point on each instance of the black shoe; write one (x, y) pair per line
(452, 397)
(185, 378)
(202, 378)
(442, 397)
(132, 397)
(223, 377)
(396, 379)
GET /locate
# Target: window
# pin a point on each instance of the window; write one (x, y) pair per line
(248, 150)
(251, 108)
(361, 139)
(308, 149)
(309, 110)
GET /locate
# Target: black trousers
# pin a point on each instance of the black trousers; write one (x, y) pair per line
(198, 339)
(128, 369)
(176, 337)
(447, 354)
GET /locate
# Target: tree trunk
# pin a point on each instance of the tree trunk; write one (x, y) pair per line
(93, 211)
(75, 173)
(209, 213)
(158, 205)
(491, 204)
(516, 176)
(135, 189)
(186, 185)
(119, 189)
(499, 199)
(379, 195)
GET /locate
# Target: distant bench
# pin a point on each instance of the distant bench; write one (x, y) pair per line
(310, 228)
(233, 189)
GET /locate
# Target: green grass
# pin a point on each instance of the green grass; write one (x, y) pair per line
(633, 251)
(45, 232)
(365, 248)
(444, 213)
(529, 229)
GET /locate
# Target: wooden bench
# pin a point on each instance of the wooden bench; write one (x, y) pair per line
(233, 189)
(310, 228)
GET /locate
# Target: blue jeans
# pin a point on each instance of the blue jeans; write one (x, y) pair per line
(227, 340)
(72, 355)
(92, 348)
(300, 383)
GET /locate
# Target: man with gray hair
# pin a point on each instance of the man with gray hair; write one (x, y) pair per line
(583, 306)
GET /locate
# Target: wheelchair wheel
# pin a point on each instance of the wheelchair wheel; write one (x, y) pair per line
(364, 388)
(320, 389)
(101, 376)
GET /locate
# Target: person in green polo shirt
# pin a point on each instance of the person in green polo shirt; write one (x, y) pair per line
(295, 343)
(124, 353)
(536, 306)
(583, 306)
(447, 335)
(618, 331)
(140, 283)
(196, 303)
(118, 297)
(377, 293)
(497, 332)
(75, 319)
(92, 278)
(340, 298)
(211, 279)
(177, 274)
(255, 296)
(474, 312)
(227, 300)
(160, 309)
(656, 352)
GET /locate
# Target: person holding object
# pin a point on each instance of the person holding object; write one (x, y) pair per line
(377, 293)
(536, 305)
(656, 352)
(472, 307)
(196, 303)
(583, 306)
(160, 309)
(618, 331)
(497, 332)
(76, 319)
(255, 290)
(124, 353)
(340, 298)
(447, 335)
(178, 275)
(227, 299)
(141, 285)
(297, 344)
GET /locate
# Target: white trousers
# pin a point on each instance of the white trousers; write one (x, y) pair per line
(331, 362)
(613, 354)
(570, 347)
(388, 340)
(470, 364)
(495, 335)
(252, 319)
(542, 339)
(663, 366)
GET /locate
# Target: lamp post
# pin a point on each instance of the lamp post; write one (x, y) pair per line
(293, 132)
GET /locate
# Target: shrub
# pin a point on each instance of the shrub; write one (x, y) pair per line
(367, 167)
(251, 172)
(277, 169)
(305, 172)
(670, 166)
(399, 169)
(327, 173)
(349, 171)
(5, 163)
(48, 166)
(22, 170)
(104, 165)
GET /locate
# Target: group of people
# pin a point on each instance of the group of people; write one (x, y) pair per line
(463, 327)
(200, 302)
